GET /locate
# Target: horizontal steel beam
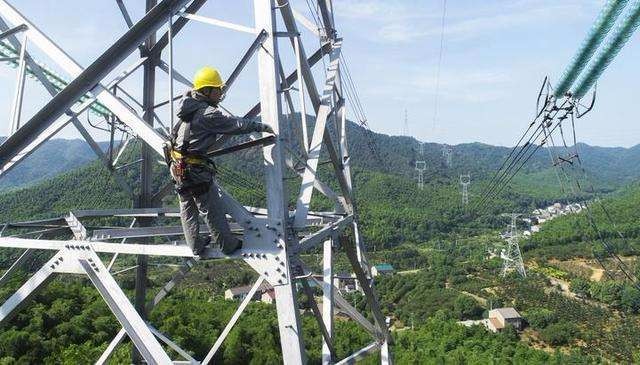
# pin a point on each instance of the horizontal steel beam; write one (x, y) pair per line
(81, 245)
(179, 249)
(139, 232)
(219, 23)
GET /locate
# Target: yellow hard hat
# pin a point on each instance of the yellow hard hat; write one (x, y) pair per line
(207, 77)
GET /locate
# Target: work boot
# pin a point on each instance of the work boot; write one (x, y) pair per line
(203, 244)
(230, 246)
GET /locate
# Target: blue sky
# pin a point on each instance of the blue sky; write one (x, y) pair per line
(496, 54)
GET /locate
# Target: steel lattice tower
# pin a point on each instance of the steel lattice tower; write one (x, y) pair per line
(447, 152)
(511, 255)
(274, 237)
(465, 180)
(421, 167)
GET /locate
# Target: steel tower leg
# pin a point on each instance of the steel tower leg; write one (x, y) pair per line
(271, 114)
(145, 200)
(327, 298)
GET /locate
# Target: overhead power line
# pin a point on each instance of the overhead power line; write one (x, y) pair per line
(440, 54)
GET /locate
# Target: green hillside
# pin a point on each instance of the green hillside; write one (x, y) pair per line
(440, 250)
(52, 158)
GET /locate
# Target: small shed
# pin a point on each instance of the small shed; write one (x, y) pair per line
(500, 317)
(382, 269)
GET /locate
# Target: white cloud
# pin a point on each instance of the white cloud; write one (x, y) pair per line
(404, 22)
(372, 9)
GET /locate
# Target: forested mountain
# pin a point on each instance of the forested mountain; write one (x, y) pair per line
(385, 183)
(395, 155)
(440, 248)
(52, 158)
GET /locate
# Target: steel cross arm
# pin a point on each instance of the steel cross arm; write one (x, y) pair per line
(292, 28)
(323, 111)
(306, 22)
(323, 188)
(219, 23)
(176, 76)
(187, 265)
(88, 79)
(320, 236)
(16, 264)
(171, 344)
(140, 232)
(13, 31)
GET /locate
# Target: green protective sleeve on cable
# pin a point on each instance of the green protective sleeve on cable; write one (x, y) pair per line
(601, 26)
(609, 51)
(7, 51)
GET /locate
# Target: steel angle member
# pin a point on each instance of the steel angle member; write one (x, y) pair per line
(220, 23)
(15, 266)
(318, 237)
(139, 232)
(85, 79)
(361, 354)
(104, 247)
(137, 212)
(36, 282)
(348, 309)
(12, 31)
(121, 307)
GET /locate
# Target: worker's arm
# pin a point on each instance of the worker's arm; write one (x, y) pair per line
(216, 122)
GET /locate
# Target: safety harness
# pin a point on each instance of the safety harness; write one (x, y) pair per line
(178, 159)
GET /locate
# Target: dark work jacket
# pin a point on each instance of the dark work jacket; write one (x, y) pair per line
(207, 124)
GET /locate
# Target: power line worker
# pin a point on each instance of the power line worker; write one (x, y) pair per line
(199, 126)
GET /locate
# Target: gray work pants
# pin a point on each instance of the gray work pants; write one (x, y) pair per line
(208, 203)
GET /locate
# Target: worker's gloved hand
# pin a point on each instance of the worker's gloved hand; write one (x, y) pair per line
(266, 128)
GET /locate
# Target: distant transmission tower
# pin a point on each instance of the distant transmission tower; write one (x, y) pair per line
(511, 256)
(447, 151)
(421, 167)
(465, 180)
(405, 125)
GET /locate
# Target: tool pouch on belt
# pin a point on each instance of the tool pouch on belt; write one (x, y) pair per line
(178, 169)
